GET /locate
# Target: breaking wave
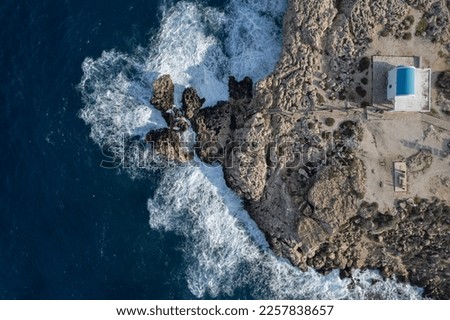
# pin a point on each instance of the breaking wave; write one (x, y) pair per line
(201, 46)
(225, 251)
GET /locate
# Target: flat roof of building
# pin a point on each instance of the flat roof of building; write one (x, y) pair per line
(421, 100)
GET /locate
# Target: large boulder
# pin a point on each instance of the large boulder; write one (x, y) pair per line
(163, 93)
(168, 144)
(191, 102)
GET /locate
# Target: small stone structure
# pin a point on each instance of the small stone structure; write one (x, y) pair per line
(400, 179)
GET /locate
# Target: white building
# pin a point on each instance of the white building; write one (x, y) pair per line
(409, 88)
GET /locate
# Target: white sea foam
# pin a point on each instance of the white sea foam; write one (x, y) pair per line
(198, 46)
(201, 46)
(116, 94)
(188, 50)
(225, 251)
(252, 41)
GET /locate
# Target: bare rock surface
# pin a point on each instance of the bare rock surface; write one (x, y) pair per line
(163, 93)
(336, 193)
(293, 147)
(191, 102)
(168, 143)
(234, 134)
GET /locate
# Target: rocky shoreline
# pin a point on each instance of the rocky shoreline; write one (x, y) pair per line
(293, 147)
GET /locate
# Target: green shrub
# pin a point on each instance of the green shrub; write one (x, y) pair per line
(361, 92)
(320, 98)
(410, 19)
(384, 33)
(422, 26)
(364, 64)
(329, 122)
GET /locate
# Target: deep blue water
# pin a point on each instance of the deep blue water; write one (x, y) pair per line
(68, 228)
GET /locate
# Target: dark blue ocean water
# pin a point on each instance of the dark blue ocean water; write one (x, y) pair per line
(68, 228)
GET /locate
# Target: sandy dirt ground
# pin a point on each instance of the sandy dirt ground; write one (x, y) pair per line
(397, 138)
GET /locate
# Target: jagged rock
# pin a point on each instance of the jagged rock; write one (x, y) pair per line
(246, 161)
(311, 234)
(163, 92)
(168, 144)
(191, 102)
(240, 90)
(175, 119)
(335, 197)
(304, 196)
(336, 193)
(214, 132)
(227, 136)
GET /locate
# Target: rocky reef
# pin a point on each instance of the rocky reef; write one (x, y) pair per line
(287, 149)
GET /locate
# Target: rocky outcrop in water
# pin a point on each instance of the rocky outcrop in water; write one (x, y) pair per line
(299, 172)
(168, 142)
(191, 102)
(233, 134)
(163, 94)
(310, 206)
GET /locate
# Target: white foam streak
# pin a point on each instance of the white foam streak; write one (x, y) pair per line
(116, 96)
(200, 47)
(253, 42)
(225, 252)
(187, 49)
